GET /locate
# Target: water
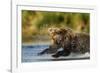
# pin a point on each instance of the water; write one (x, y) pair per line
(29, 54)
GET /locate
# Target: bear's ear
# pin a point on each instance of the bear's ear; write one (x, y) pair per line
(53, 30)
(69, 30)
(70, 33)
(49, 30)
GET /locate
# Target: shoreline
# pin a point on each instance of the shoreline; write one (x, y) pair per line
(36, 43)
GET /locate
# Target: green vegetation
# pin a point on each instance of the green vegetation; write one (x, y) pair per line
(36, 23)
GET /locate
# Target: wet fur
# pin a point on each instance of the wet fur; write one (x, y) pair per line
(68, 40)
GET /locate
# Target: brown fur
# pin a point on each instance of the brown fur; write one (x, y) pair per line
(68, 40)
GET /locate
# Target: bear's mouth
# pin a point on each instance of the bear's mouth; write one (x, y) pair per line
(58, 41)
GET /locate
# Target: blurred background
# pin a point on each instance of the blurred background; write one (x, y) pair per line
(36, 23)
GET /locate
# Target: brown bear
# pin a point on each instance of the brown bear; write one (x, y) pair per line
(69, 40)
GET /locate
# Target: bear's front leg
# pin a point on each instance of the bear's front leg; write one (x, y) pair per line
(61, 53)
(51, 49)
(44, 51)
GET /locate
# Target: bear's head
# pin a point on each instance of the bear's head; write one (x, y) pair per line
(60, 35)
